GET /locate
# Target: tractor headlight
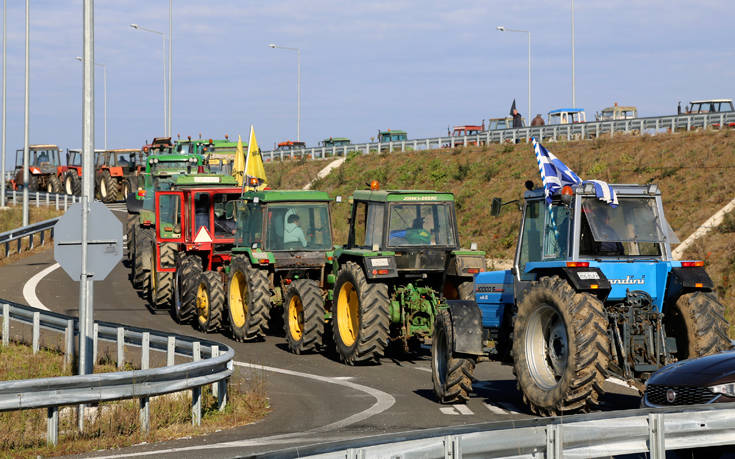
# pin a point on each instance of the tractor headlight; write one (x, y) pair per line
(724, 389)
(192, 160)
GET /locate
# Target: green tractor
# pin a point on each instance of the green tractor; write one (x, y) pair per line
(282, 255)
(161, 168)
(402, 256)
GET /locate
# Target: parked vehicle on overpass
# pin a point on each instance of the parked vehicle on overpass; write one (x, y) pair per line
(289, 145)
(617, 112)
(44, 169)
(710, 106)
(502, 123)
(336, 142)
(467, 129)
(566, 116)
(391, 135)
(593, 292)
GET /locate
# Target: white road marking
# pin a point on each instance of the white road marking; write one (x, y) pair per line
(29, 289)
(510, 408)
(423, 369)
(463, 409)
(496, 409)
(448, 410)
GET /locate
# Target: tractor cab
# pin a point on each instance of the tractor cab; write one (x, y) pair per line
(392, 135)
(468, 129)
(336, 142)
(44, 168)
(289, 145)
(710, 106)
(566, 116)
(618, 112)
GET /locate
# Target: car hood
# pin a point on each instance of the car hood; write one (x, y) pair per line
(702, 371)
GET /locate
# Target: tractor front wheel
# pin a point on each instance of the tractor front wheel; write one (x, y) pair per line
(210, 299)
(360, 316)
(54, 184)
(698, 323)
(303, 316)
(248, 300)
(450, 372)
(72, 184)
(162, 282)
(142, 257)
(108, 187)
(186, 282)
(560, 348)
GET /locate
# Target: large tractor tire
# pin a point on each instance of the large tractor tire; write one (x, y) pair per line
(210, 300)
(53, 185)
(130, 222)
(72, 183)
(125, 189)
(248, 300)
(698, 323)
(303, 316)
(142, 256)
(450, 372)
(186, 282)
(560, 348)
(109, 188)
(161, 290)
(360, 316)
(33, 182)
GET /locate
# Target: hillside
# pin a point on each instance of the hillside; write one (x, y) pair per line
(693, 170)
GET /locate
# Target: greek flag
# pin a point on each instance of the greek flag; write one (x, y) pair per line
(555, 175)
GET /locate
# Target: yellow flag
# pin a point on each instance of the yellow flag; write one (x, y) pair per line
(238, 168)
(254, 163)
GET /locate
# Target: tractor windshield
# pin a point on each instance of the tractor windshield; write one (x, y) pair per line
(633, 228)
(298, 226)
(426, 224)
(249, 221)
(171, 166)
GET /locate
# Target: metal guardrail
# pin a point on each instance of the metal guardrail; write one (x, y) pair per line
(41, 197)
(652, 431)
(588, 130)
(51, 393)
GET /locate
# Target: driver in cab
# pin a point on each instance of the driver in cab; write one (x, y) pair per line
(293, 235)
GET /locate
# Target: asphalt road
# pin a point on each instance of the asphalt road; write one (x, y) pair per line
(314, 398)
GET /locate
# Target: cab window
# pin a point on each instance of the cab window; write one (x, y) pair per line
(531, 238)
(169, 212)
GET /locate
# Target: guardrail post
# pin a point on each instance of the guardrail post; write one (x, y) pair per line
(7, 249)
(57, 202)
(145, 406)
(52, 425)
(120, 347)
(65, 203)
(452, 447)
(69, 342)
(95, 333)
(689, 123)
(554, 447)
(42, 237)
(196, 392)
(38, 199)
(15, 201)
(36, 331)
(6, 324)
(171, 351)
(656, 436)
(215, 386)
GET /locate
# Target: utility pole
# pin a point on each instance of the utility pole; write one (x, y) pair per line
(26, 174)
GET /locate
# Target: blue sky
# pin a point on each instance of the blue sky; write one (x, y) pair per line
(417, 65)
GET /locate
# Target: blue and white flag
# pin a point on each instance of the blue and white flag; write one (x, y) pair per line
(555, 175)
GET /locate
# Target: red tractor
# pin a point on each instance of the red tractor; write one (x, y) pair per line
(71, 179)
(116, 172)
(44, 169)
(192, 249)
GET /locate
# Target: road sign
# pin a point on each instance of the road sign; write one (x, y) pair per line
(104, 241)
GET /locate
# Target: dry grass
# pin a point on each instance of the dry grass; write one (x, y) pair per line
(293, 174)
(11, 218)
(692, 169)
(116, 424)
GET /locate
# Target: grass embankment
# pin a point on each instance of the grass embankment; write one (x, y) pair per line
(114, 424)
(12, 217)
(694, 171)
(293, 174)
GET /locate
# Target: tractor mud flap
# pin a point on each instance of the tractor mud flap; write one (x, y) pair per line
(695, 277)
(466, 326)
(134, 205)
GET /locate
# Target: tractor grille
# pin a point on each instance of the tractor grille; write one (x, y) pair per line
(685, 395)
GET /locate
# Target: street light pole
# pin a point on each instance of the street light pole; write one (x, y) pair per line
(104, 72)
(26, 175)
(170, 66)
(505, 29)
(5, 85)
(298, 86)
(574, 91)
(165, 85)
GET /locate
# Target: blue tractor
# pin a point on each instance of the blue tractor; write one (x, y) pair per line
(593, 293)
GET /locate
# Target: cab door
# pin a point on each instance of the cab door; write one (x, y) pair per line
(170, 221)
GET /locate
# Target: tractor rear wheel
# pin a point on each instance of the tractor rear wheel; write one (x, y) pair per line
(141, 257)
(186, 282)
(33, 183)
(130, 222)
(210, 299)
(108, 187)
(125, 190)
(698, 323)
(54, 184)
(360, 316)
(248, 300)
(561, 349)
(303, 316)
(162, 282)
(450, 372)
(72, 184)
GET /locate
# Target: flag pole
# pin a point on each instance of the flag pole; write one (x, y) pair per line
(247, 160)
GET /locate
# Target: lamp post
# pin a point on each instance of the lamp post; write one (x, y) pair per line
(104, 70)
(166, 115)
(574, 91)
(505, 29)
(298, 86)
(26, 176)
(5, 40)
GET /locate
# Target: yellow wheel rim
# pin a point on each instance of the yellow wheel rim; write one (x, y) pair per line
(296, 318)
(238, 299)
(202, 303)
(348, 319)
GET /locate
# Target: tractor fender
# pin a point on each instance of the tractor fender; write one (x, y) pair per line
(466, 326)
(133, 205)
(687, 279)
(587, 279)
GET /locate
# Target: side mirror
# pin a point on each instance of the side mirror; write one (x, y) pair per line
(229, 209)
(497, 203)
